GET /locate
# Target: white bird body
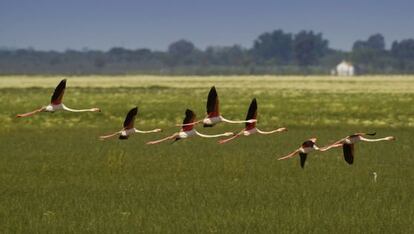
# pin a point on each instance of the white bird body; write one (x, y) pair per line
(212, 120)
(250, 132)
(53, 108)
(306, 150)
(352, 139)
(127, 132)
(187, 134)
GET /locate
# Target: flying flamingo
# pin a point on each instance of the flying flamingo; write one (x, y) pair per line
(187, 130)
(213, 112)
(348, 143)
(128, 127)
(251, 127)
(56, 103)
(306, 147)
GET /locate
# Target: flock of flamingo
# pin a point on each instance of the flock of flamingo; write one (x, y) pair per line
(213, 117)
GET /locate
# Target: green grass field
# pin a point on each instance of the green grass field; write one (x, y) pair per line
(57, 177)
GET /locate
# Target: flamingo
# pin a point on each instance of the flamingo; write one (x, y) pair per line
(129, 127)
(56, 103)
(213, 112)
(187, 130)
(250, 128)
(306, 147)
(348, 143)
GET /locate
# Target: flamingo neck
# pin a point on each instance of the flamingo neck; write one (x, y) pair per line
(375, 140)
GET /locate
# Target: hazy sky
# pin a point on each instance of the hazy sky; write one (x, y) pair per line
(100, 24)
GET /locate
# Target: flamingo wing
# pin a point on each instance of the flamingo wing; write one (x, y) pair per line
(130, 118)
(213, 103)
(189, 118)
(251, 114)
(57, 95)
(303, 157)
(348, 150)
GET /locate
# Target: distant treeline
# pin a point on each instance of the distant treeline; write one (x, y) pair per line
(274, 52)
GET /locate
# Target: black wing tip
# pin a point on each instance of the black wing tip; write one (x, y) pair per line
(348, 154)
(372, 134)
(134, 110)
(189, 113)
(253, 103)
(302, 157)
(121, 137)
(349, 160)
(63, 82)
(213, 92)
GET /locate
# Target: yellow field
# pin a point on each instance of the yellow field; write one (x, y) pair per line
(364, 84)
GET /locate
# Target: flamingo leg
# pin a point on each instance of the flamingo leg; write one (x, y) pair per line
(163, 139)
(31, 113)
(330, 147)
(336, 144)
(109, 136)
(231, 138)
(289, 155)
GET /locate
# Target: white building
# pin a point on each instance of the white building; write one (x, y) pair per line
(344, 69)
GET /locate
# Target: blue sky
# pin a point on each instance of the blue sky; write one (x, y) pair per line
(101, 24)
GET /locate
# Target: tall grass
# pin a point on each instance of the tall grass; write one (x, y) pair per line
(56, 176)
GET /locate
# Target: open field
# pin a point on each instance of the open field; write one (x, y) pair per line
(57, 177)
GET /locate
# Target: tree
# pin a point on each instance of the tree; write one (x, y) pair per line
(309, 47)
(403, 53)
(374, 42)
(403, 49)
(181, 48)
(276, 46)
(226, 55)
(370, 55)
(182, 52)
